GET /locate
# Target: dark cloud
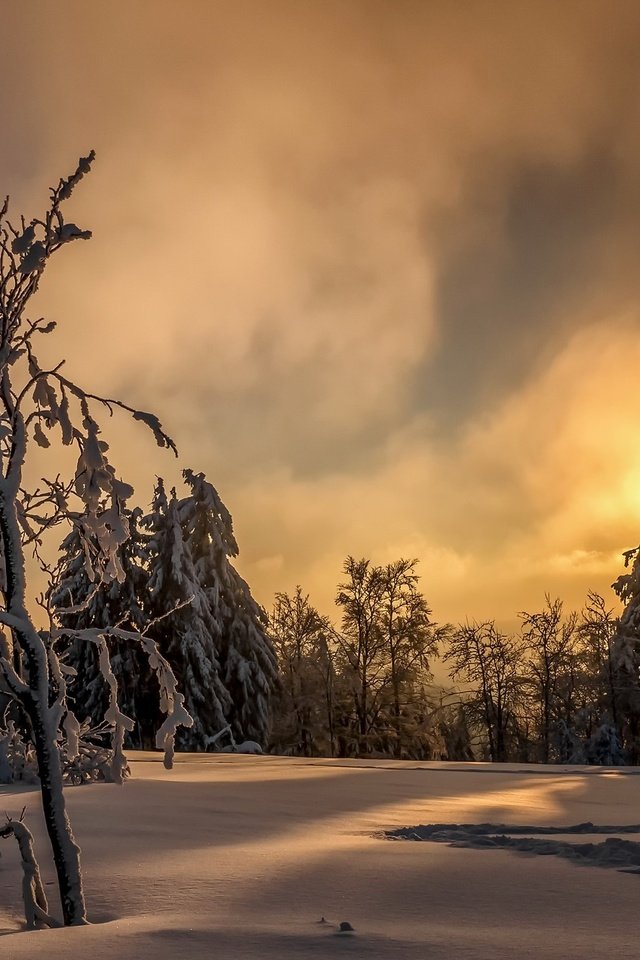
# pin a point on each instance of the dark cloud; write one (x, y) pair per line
(507, 296)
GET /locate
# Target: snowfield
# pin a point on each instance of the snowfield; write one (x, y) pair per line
(241, 856)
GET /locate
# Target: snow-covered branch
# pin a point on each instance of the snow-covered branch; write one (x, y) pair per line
(171, 701)
(35, 900)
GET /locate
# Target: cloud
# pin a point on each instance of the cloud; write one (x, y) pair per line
(374, 264)
(542, 496)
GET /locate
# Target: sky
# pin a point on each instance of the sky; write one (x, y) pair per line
(374, 263)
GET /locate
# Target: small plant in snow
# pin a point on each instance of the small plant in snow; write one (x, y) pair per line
(39, 404)
(247, 746)
(17, 756)
(35, 900)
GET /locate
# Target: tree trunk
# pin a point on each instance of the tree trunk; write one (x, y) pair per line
(66, 852)
(362, 725)
(328, 693)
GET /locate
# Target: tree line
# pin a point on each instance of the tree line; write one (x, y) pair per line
(563, 688)
(385, 680)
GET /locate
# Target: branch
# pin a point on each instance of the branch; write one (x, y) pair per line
(33, 380)
(162, 438)
(17, 686)
(171, 702)
(33, 895)
(16, 623)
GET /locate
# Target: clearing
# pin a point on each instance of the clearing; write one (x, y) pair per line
(239, 857)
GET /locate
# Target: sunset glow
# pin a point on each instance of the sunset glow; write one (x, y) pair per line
(376, 272)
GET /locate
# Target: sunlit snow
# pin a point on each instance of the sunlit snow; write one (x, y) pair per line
(231, 856)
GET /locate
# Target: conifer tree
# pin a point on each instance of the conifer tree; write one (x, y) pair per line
(247, 660)
(176, 573)
(625, 654)
(187, 632)
(123, 602)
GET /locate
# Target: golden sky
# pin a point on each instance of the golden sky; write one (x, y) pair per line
(374, 263)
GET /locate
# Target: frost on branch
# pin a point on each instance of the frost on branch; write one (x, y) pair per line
(40, 405)
(156, 428)
(79, 602)
(17, 757)
(116, 722)
(171, 701)
(114, 717)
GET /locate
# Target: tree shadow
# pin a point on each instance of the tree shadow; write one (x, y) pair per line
(137, 839)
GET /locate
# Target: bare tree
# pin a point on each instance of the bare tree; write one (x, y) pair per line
(596, 631)
(37, 404)
(300, 637)
(384, 646)
(361, 641)
(482, 656)
(549, 642)
(408, 635)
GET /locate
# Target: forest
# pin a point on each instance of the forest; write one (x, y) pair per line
(384, 679)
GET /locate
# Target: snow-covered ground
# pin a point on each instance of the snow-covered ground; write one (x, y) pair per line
(240, 857)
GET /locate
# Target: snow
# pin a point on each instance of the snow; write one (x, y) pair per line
(234, 856)
(614, 851)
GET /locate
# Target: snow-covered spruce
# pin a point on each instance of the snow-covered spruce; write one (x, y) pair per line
(246, 655)
(625, 654)
(80, 602)
(188, 634)
(178, 576)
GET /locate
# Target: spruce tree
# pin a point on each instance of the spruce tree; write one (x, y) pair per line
(247, 660)
(187, 632)
(123, 602)
(176, 576)
(625, 653)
